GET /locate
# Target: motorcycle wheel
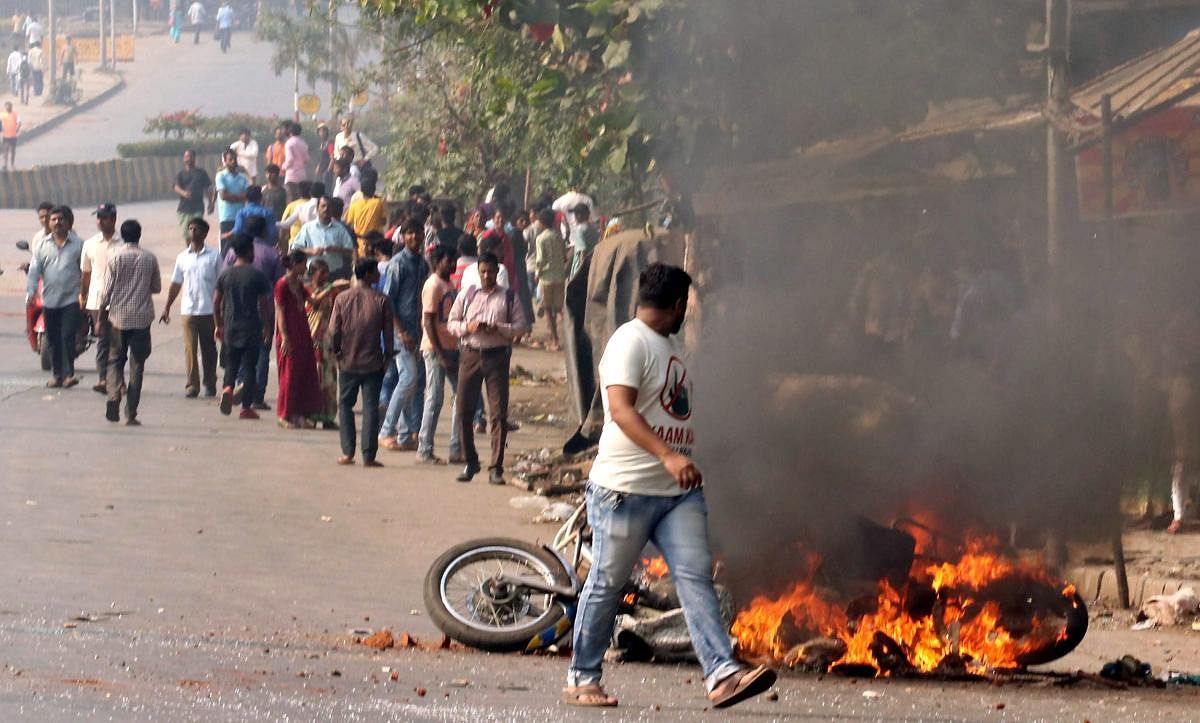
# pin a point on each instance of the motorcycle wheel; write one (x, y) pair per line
(465, 604)
(44, 352)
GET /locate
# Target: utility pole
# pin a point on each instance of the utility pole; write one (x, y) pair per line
(296, 90)
(135, 16)
(1058, 159)
(112, 31)
(53, 27)
(103, 47)
(333, 70)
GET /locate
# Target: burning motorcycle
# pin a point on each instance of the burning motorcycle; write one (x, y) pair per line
(35, 324)
(924, 610)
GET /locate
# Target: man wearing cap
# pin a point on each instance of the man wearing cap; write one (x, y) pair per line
(93, 264)
(126, 304)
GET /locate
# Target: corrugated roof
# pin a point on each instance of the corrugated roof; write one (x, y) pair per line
(1144, 84)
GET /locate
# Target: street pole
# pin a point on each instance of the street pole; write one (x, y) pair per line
(112, 31)
(135, 16)
(296, 90)
(103, 47)
(51, 21)
(1058, 39)
(333, 74)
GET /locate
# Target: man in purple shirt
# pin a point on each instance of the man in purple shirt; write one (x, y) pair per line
(266, 260)
(295, 162)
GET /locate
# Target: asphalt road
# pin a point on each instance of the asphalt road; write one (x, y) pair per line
(166, 77)
(204, 568)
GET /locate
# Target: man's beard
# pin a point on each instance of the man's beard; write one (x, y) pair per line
(677, 325)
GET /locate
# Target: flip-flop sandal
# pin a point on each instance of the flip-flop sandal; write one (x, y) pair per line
(54, 384)
(588, 696)
(345, 460)
(70, 382)
(741, 686)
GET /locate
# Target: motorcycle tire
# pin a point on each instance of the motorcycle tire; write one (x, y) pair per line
(478, 633)
(44, 352)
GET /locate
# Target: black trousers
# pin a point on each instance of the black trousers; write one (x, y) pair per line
(62, 329)
(240, 362)
(132, 347)
(349, 384)
(475, 369)
(103, 334)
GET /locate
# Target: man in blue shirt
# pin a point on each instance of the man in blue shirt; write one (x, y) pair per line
(231, 185)
(406, 276)
(56, 264)
(254, 207)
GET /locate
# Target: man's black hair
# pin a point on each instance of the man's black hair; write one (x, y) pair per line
(306, 189)
(66, 213)
(383, 245)
(316, 189)
(467, 246)
(228, 152)
(272, 168)
(45, 206)
(547, 217)
(316, 264)
(364, 267)
(449, 213)
(131, 231)
(346, 154)
(440, 252)
(254, 194)
(413, 225)
(244, 131)
(243, 246)
(200, 222)
(489, 258)
(369, 183)
(336, 206)
(415, 190)
(488, 244)
(254, 226)
(296, 256)
(660, 286)
(295, 128)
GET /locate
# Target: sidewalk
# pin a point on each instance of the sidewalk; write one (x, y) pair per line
(40, 115)
(1156, 563)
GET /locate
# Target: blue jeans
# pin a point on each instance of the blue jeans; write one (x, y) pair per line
(622, 524)
(261, 370)
(436, 378)
(394, 421)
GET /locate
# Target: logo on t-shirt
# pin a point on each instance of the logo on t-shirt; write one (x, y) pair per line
(676, 394)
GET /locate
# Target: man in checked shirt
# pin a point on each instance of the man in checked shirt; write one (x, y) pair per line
(126, 304)
(487, 320)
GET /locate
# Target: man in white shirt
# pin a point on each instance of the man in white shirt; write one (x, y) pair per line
(34, 32)
(225, 24)
(364, 149)
(247, 154)
(13, 69)
(568, 201)
(644, 486)
(94, 280)
(196, 15)
(197, 269)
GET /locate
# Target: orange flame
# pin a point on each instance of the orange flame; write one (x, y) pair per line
(654, 567)
(957, 625)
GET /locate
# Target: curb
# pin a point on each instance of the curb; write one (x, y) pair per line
(1099, 583)
(71, 112)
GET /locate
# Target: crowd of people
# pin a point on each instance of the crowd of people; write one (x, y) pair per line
(352, 295)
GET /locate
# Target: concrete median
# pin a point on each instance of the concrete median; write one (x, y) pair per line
(83, 184)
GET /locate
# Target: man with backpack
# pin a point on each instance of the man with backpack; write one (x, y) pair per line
(487, 321)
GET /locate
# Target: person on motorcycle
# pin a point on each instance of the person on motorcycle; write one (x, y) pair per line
(56, 264)
(644, 487)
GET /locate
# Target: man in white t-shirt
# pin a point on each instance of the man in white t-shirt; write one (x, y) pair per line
(93, 263)
(247, 154)
(644, 487)
(196, 15)
(565, 203)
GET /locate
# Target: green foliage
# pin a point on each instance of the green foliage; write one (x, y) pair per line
(184, 124)
(172, 147)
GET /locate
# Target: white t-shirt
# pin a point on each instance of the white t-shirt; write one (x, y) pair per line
(195, 13)
(34, 32)
(470, 277)
(641, 358)
(247, 155)
(94, 260)
(569, 200)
